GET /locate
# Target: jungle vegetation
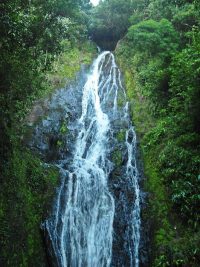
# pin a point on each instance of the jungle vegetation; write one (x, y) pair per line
(157, 44)
(38, 40)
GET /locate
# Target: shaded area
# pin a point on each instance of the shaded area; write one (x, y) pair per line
(109, 21)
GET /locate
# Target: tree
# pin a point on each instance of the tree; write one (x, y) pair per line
(154, 37)
(110, 20)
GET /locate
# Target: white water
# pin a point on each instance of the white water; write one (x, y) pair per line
(132, 173)
(81, 228)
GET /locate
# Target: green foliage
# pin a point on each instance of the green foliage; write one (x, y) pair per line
(185, 18)
(64, 128)
(154, 77)
(110, 21)
(154, 44)
(26, 194)
(160, 59)
(121, 135)
(117, 157)
(140, 107)
(40, 49)
(153, 37)
(31, 37)
(26, 51)
(184, 86)
(158, 9)
(68, 63)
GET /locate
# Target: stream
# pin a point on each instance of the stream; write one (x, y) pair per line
(88, 134)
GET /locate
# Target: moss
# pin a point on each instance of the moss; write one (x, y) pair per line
(140, 106)
(155, 185)
(121, 135)
(68, 63)
(117, 157)
(63, 128)
(26, 195)
(160, 208)
(121, 101)
(59, 143)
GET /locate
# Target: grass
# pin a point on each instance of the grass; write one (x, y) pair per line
(68, 63)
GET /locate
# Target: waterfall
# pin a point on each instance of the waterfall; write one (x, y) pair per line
(84, 229)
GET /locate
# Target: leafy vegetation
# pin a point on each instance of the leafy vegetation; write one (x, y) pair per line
(25, 195)
(117, 157)
(160, 58)
(106, 17)
(68, 63)
(43, 44)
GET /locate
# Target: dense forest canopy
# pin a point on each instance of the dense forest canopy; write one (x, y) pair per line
(157, 44)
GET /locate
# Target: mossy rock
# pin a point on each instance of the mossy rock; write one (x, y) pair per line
(30, 186)
(117, 157)
(121, 135)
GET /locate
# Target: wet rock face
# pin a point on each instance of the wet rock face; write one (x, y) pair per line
(53, 121)
(145, 231)
(55, 138)
(53, 128)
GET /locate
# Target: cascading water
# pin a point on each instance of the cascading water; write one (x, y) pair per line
(96, 217)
